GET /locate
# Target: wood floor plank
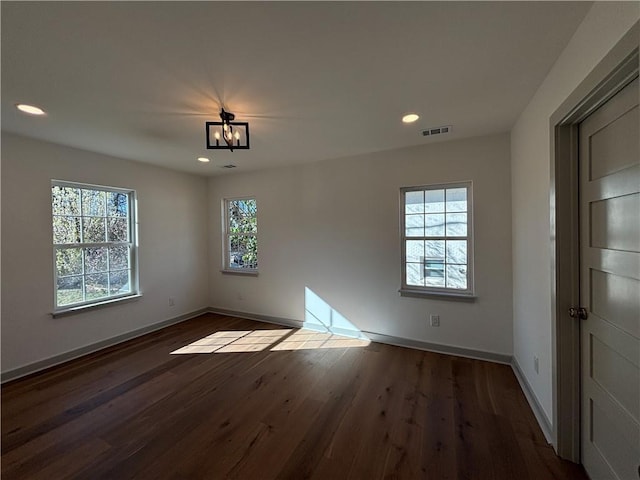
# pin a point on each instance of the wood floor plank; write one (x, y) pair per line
(437, 418)
(269, 406)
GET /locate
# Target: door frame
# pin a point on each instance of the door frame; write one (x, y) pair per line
(615, 70)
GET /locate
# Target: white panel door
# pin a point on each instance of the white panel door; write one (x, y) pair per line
(610, 288)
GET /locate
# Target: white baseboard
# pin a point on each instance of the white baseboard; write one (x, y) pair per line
(94, 347)
(286, 322)
(439, 348)
(541, 417)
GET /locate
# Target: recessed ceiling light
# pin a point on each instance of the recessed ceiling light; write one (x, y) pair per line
(410, 118)
(30, 109)
(203, 159)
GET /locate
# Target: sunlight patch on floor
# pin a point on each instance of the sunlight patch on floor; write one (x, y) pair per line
(305, 339)
(232, 341)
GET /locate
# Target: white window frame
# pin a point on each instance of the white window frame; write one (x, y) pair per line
(132, 245)
(226, 234)
(417, 290)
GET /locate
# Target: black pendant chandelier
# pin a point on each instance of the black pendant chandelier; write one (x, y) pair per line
(227, 134)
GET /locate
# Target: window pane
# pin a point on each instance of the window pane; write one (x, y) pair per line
(456, 224)
(65, 200)
(249, 207)
(252, 225)
(69, 261)
(69, 290)
(414, 202)
(434, 249)
(94, 230)
(235, 212)
(434, 201)
(119, 282)
(250, 257)
(242, 217)
(66, 230)
(95, 260)
(457, 251)
(119, 257)
(414, 274)
(415, 250)
(457, 276)
(433, 269)
(247, 224)
(234, 223)
(435, 276)
(118, 230)
(93, 203)
(117, 204)
(434, 225)
(244, 207)
(414, 225)
(96, 286)
(456, 199)
(235, 252)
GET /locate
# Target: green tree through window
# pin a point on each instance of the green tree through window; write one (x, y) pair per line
(93, 241)
(241, 234)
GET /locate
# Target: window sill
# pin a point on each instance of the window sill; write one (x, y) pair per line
(94, 306)
(465, 297)
(249, 273)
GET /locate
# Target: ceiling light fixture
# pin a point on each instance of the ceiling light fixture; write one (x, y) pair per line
(203, 159)
(30, 109)
(410, 118)
(227, 134)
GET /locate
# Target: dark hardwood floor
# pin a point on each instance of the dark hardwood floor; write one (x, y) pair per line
(271, 404)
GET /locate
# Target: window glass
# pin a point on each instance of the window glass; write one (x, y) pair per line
(436, 236)
(241, 234)
(93, 244)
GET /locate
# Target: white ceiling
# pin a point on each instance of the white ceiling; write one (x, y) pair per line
(315, 80)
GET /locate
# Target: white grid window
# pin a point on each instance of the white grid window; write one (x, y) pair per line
(240, 235)
(93, 244)
(437, 241)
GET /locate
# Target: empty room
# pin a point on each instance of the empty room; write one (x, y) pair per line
(326, 240)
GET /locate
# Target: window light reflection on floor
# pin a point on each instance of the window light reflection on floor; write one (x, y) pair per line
(232, 341)
(305, 339)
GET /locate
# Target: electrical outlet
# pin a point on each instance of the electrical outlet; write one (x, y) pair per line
(172, 301)
(536, 364)
(434, 320)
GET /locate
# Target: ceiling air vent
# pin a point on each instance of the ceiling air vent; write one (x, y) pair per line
(436, 131)
(231, 165)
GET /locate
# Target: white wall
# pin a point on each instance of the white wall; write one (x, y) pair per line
(333, 226)
(172, 214)
(601, 29)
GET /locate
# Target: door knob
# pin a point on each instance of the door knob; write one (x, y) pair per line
(578, 312)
